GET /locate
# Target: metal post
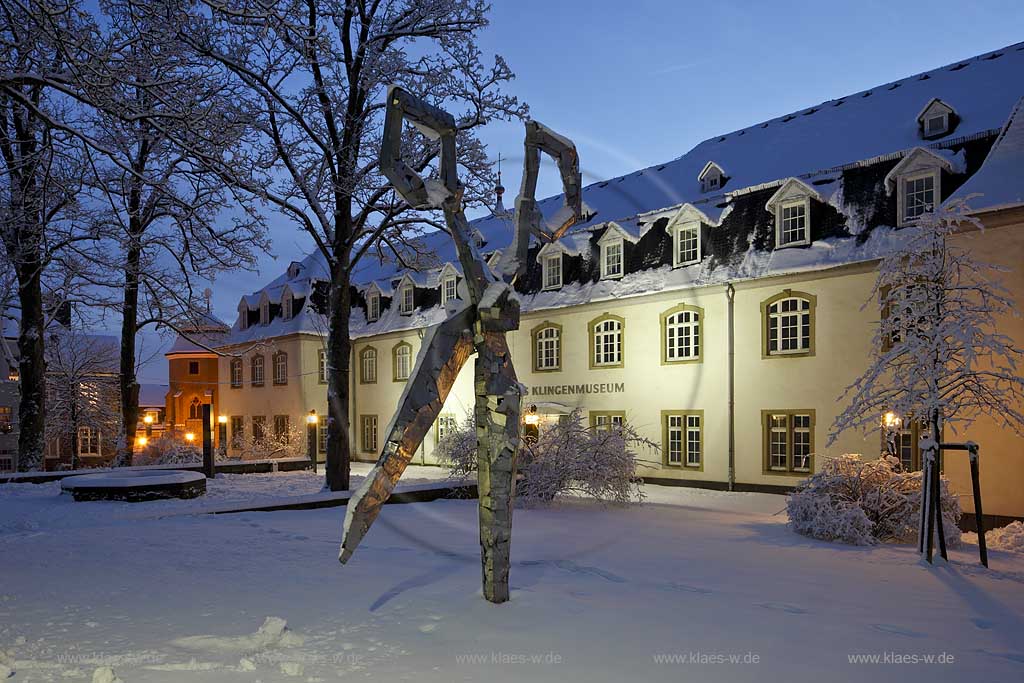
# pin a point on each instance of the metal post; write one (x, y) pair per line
(311, 440)
(937, 504)
(979, 516)
(208, 468)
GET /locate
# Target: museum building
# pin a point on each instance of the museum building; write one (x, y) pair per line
(720, 302)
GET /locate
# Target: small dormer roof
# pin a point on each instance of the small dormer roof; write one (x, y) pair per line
(615, 232)
(917, 158)
(294, 269)
(934, 104)
(790, 188)
(708, 167)
(688, 213)
(552, 248)
(447, 270)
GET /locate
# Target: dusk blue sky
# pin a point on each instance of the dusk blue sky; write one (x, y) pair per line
(639, 82)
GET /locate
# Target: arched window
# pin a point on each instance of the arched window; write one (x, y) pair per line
(606, 341)
(236, 373)
(681, 334)
(368, 365)
(256, 371)
(547, 347)
(788, 323)
(281, 368)
(402, 361)
(195, 409)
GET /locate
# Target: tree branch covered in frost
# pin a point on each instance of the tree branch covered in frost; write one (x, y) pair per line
(568, 458)
(938, 354)
(865, 502)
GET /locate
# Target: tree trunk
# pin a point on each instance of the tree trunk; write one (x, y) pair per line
(32, 366)
(498, 406)
(129, 386)
(339, 353)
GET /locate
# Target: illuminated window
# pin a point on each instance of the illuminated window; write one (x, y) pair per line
(789, 440)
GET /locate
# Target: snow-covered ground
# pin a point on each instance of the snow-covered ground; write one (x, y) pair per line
(667, 591)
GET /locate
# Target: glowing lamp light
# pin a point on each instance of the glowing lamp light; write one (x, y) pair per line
(532, 418)
(222, 419)
(891, 420)
(312, 418)
(141, 441)
(13, 374)
(189, 436)
(148, 419)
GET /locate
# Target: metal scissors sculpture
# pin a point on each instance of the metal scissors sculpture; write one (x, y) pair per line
(479, 326)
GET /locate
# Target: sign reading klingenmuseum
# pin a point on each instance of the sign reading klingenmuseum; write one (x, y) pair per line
(561, 389)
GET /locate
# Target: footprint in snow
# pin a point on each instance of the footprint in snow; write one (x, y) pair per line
(897, 630)
(782, 607)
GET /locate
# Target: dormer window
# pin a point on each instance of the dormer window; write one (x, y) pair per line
(287, 304)
(550, 259)
(791, 205)
(686, 243)
(373, 306)
(243, 315)
(917, 180)
(449, 285)
(711, 177)
(405, 299)
(264, 312)
(936, 120)
(611, 259)
(294, 268)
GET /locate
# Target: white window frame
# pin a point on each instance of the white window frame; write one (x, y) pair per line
(368, 365)
(403, 361)
(551, 271)
(711, 181)
(322, 430)
(369, 435)
(264, 312)
(406, 299)
(779, 316)
(90, 441)
(235, 369)
(447, 424)
(605, 421)
(257, 369)
(936, 175)
(615, 329)
(321, 366)
(280, 361)
(677, 330)
(606, 251)
(287, 303)
(928, 133)
(548, 339)
(373, 307)
(677, 243)
(780, 227)
(449, 289)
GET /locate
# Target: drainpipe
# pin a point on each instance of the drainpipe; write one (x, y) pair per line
(352, 433)
(730, 294)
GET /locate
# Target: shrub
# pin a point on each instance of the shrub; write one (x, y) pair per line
(567, 458)
(866, 502)
(169, 449)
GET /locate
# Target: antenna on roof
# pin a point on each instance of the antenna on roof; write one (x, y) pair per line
(208, 294)
(499, 189)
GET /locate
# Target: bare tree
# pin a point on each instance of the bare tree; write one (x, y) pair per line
(40, 180)
(315, 74)
(173, 221)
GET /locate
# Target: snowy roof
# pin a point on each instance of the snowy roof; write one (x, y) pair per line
(1000, 181)
(152, 395)
(840, 149)
(847, 130)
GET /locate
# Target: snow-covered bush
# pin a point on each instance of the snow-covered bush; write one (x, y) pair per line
(864, 502)
(289, 444)
(1009, 538)
(169, 449)
(567, 458)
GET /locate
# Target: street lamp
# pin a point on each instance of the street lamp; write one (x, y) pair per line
(891, 423)
(141, 441)
(531, 425)
(222, 433)
(13, 374)
(190, 437)
(148, 421)
(311, 441)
